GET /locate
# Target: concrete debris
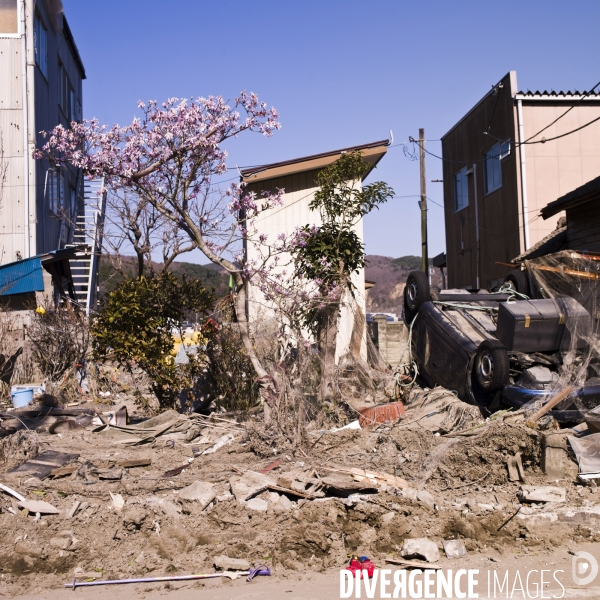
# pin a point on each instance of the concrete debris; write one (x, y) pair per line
(555, 460)
(199, 491)
(420, 548)
(39, 506)
(530, 493)
(62, 543)
(280, 502)
(455, 548)
(117, 501)
(166, 507)
(249, 485)
(257, 504)
(220, 443)
(426, 498)
(588, 516)
(224, 563)
(515, 468)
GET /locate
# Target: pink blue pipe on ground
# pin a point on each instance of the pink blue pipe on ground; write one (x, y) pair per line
(261, 570)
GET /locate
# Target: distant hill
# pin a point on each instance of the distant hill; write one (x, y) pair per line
(210, 275)
(389, 275)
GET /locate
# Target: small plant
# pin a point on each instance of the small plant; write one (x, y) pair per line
(59, 340)
(230, 376)
(135, 327)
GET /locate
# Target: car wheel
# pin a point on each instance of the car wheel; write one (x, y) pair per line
(519, 281)
(491, 365)
(416, 291)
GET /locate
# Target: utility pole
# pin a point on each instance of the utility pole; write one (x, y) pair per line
(423, 203)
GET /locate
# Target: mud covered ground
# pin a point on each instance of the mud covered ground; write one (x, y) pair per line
(458, 488)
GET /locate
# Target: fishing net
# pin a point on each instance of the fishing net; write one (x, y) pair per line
(575, 360)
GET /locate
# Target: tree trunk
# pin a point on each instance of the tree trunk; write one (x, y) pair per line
(267, 384)
(140, 264)
(327, 346)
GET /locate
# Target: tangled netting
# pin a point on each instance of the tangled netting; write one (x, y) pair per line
(576, 275)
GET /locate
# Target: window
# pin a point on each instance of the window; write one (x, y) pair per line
(72, 203)
(493, 167)
(40, 34)
(9, 19)
(55, 191)
(461, 190)
(66, 94)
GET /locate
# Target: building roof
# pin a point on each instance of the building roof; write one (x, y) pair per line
(26, 276)
(568, 95)
(553, 242)
(372, 153)
(588, 192)
(71, 41)
(22, 277)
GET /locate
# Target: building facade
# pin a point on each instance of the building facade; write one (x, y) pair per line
(41, 76)
(298, 180)
(506, 159)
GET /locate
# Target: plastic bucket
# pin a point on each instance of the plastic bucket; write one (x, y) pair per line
(22, 398)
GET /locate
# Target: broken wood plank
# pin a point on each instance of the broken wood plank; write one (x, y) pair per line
(62, 471)
(175, 471)
(282, 490)
(373, 476)
(346, 487)
(550, 405)
(39, 506)
(11, 492)
(413, 564)
(44, 464)
(271, 466)
(139, 462)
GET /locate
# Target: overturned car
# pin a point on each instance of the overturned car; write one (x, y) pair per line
(502, 349)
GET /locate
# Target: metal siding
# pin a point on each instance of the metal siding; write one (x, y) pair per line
(12, 218)
(22, 277)
(11, 91)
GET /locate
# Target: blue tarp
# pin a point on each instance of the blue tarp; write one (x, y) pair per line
(22, 277)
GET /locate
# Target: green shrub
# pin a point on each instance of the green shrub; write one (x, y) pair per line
(135, 326)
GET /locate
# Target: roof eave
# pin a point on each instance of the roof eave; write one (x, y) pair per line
(375, 150)
(71, 41)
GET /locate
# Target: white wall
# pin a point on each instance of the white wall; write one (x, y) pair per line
(299, 191)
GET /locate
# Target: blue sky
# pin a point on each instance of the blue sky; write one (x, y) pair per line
(341, 73)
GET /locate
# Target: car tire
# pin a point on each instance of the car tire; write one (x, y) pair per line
(416, 291)
(519, 281)
(491, 367)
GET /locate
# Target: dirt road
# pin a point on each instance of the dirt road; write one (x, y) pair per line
(556, 564)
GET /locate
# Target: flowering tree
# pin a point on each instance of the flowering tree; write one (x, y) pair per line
(169, 158)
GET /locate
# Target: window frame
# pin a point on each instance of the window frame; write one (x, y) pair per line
(54, 191)
(67, 99)
(39, 25)
(499, 158)
(19, 31)
(462, 171)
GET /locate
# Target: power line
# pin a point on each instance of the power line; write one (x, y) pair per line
(566, 112)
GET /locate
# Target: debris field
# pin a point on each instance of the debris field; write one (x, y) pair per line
(115, 496)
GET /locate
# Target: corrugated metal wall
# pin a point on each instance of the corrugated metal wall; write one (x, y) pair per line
(12, 217)
(44, 114)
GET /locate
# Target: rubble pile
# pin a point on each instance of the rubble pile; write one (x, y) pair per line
(117, 495)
